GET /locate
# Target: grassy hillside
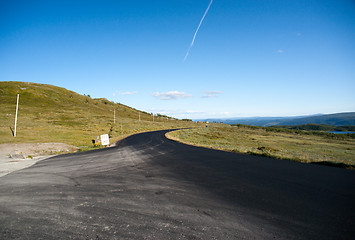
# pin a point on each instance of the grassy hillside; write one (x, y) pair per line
(303, 146)
(53, 114)
(337, 119)
(317, 127)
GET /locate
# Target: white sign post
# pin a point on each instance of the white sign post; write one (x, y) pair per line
(105, 140)
(18, 97)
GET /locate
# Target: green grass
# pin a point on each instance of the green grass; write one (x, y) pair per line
(52, 114)
(284, 145)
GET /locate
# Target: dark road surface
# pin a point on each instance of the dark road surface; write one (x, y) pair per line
(149, 187)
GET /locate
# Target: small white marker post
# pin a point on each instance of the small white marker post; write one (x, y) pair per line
(18, 98)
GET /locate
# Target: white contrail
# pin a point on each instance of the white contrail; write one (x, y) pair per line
(193, 40)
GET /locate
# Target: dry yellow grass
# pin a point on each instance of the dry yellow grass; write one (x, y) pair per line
(52, 114)
(298, 147)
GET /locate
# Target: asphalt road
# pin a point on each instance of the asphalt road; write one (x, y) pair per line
(149, 187)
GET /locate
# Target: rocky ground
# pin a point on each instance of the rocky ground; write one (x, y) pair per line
(17, 156)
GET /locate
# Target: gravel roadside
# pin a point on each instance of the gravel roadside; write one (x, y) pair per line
(16, 156)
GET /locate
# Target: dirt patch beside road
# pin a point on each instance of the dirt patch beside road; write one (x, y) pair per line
(28, 150)
(16, 156)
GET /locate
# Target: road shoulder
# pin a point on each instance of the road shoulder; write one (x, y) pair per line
(17, 156)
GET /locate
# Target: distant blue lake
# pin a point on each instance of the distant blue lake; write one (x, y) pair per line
(343, 132)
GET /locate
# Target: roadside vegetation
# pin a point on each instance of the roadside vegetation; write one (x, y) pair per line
(53, 114)
(314, 127)
(303, 146)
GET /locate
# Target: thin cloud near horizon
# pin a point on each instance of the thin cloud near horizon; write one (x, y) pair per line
(171, 95)
(129, 93)
(211, 94)
(125, 93)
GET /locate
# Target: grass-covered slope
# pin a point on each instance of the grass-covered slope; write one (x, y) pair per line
(303, 146)
(52, 114)
(317, 127)
(337, 119)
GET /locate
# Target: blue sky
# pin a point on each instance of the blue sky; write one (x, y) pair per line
(249, 58)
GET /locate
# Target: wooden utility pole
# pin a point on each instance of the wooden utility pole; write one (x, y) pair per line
(18, 98)
(139, 116)
(114, 116)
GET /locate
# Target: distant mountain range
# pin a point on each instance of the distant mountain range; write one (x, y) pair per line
(337, 119)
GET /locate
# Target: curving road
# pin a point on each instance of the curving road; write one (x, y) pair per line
(149, 187)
